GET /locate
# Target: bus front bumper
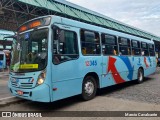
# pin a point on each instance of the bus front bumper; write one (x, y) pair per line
(40, 93)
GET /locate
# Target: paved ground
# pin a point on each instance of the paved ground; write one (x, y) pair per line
(4, 92)
(148, 91)
(74, 104)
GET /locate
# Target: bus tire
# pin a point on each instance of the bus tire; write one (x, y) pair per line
(89, 88)
(140, 76)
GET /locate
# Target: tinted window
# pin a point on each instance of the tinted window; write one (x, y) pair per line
(109, 39)
(135, 44)
(68, 42)
(109, 44)
(151, 46)
(124, 46)
(89, 36)
(124, 42)
(145, 52)
(136, 48)
(144, 47)
(151, 50)
(90, 43)
(66, 48)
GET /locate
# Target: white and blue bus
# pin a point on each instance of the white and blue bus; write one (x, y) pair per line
(2, 60)
(54, 58)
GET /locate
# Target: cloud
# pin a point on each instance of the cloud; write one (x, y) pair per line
(143, 14)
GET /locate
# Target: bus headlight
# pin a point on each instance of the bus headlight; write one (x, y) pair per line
(41, 78)
(40, 81)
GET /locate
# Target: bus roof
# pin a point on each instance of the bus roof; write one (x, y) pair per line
(74, 23)
(82, 25)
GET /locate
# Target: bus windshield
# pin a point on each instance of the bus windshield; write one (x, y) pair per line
(30, 51)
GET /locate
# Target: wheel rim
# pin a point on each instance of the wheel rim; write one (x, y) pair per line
(140, 76)
(89, 88)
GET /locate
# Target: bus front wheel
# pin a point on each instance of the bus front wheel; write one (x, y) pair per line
(140, 75)
(89, 88)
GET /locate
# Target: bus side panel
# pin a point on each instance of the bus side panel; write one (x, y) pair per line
(117, 69)
(67, 77)
(149, 65)
(137, 63)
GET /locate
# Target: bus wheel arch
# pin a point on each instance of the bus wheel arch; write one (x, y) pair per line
(89, 86)
(95, 75)
(140, 75)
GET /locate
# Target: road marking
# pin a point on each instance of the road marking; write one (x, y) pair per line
(6, 98)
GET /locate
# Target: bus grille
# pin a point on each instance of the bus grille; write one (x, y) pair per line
(22, 85)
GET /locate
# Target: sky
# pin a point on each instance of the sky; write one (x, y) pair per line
(142, 14)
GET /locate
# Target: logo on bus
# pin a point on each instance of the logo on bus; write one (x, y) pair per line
(91, 63)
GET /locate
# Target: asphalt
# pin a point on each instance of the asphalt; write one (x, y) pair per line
(4, 92)
(5, 96)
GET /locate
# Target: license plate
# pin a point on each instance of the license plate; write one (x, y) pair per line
(19, 92)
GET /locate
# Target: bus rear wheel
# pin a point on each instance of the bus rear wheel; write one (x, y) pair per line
(140, 75)
(89, 88)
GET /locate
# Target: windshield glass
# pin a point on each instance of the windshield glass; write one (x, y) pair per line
(30, 51)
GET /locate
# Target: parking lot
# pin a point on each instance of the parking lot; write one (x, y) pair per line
(4, 92)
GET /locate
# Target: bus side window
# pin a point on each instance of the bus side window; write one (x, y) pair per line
(109, 43)
(67, 46)
(151, 50)
(124, 46)
(144, 47)
(84, 51)
(114, 52)
(90, 43)
(135, 47)
(133, 53)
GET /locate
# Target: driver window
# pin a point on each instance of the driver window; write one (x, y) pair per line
(66, 48)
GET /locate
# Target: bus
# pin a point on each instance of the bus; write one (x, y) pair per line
(54, 58)
(2, 60)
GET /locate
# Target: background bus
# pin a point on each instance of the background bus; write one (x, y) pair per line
(2, 60)
(55, 58)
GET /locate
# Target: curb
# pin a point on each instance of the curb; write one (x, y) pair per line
(9, 100)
